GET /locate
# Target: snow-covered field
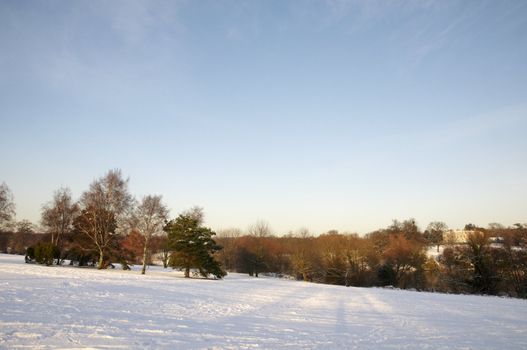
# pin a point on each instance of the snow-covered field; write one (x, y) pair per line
(64, 307)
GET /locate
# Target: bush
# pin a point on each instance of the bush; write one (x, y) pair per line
(386, 275)
(80, 257)
(45, 253)
(30, 254)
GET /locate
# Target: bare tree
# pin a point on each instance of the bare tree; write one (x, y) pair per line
(303, 232)
(260, 229)
(110, 192)
(105, 207)
(196, 213)
(57, 215)
(302, 254)
(7, 205)
(98, 225)
(232, 232)
(25, 227)
(229, 239)
(434, 233)
(149, 218)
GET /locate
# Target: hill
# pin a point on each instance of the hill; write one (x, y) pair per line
(66, 307)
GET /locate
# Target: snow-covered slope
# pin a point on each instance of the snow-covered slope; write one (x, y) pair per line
(63, 307)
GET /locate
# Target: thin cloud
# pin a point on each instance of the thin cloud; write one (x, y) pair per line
(365, 13)
(436, 42)
(135, 21)
(481, 125)
(93, 42)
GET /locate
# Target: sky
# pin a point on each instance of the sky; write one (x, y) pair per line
(327, 115)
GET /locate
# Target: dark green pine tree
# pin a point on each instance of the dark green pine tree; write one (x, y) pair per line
(193, 246)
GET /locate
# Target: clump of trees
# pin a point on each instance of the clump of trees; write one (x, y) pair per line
(106, 226)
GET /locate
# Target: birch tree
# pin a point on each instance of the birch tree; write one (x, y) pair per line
(98, 225)
(149, 218)
(105, 209)
(7, 205)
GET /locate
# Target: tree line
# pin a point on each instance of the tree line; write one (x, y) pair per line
(107, 225)
(492, 260)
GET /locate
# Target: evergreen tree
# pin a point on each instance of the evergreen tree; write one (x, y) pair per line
(193, 246)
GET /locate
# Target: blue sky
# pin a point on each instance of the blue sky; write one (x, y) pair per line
(324, 114)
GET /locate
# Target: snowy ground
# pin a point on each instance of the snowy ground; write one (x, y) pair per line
(64, 307)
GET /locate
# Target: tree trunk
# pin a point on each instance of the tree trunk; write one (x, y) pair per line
(145, 253)
(101, 259)
(187, 272)
(166, 257)
(304, 276)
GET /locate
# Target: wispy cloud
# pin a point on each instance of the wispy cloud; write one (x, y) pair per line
(91, 42)
(365, 13)
(480, 126)
(433, 41)
(243, 20)
(135, 21)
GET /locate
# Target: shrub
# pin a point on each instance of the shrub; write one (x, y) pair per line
(386, 275)
(45, 253)
(30, 254)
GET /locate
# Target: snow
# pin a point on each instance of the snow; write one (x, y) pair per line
(69, 307)
(433, 252)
